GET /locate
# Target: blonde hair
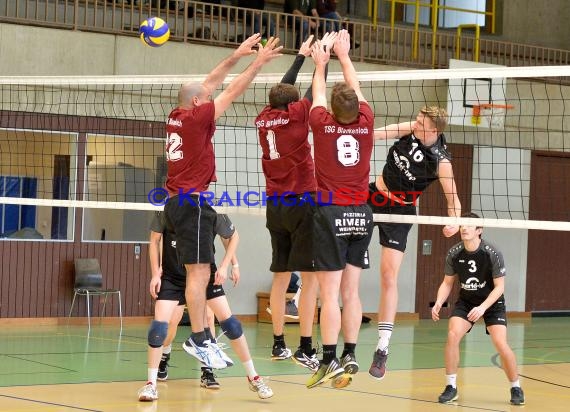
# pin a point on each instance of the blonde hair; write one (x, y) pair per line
(437, 115)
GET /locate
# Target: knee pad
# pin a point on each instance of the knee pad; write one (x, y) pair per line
(157, 333)
(232, 328)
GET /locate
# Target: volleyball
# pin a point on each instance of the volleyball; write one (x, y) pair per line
(154, 32)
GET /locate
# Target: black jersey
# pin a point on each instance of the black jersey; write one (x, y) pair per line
(411, 166)
(476, 270)
(170, 267)
(224, 228)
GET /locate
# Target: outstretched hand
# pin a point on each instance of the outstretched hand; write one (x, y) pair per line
(320, 54)
(246, 48)
(342, 44)
(329, 40)
(270, 51)
(305, 48)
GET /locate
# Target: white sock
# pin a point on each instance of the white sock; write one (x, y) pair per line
(451, 380)
(384, 334)
(516, 384)
(167, 349)
(152, 374)
(249, 369)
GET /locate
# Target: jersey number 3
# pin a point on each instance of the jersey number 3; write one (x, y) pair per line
(173, 145)
(347, 150)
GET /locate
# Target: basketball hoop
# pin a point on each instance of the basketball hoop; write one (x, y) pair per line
(490, 115)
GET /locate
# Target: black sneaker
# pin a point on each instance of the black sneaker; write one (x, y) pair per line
(208, 379)
(280, 353)
(378, 368)
(449, 395)
(308, 360)
(163, 367)
(517, 396)
(350, 366)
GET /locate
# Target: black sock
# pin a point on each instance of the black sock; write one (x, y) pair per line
(205, 369)
(348, 348)
(329, 353)
(209, 335)
(198, 338)
(279, 341)
(306, 344)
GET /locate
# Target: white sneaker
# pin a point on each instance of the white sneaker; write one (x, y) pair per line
(148, 393)
(259, 386)
(216, 348)
(205, 354)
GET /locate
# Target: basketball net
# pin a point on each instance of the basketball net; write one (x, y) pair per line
(490, 115)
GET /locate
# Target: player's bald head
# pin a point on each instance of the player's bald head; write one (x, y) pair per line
(188, 91)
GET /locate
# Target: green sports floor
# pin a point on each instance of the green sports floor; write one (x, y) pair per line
(62, 368)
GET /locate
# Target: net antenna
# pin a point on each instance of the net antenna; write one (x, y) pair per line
(490, 115)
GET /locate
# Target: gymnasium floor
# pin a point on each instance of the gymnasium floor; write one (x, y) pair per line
(61, 368)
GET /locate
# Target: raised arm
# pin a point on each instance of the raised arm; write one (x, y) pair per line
(393, 131)
(290, 77)
(341, 49)
(321, 55)
(217, 76)
(447, 181)
(327, 41)
(442, 295)
(242, 81)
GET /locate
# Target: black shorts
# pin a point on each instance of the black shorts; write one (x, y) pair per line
(495, 315)
(290, 225)
(171, 289)
(342, 235)
(192, 223)
(392, 235)
(214, 291)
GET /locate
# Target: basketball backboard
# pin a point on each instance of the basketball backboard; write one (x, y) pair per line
(470, 100)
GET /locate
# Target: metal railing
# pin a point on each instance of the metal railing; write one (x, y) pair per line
(192, 21)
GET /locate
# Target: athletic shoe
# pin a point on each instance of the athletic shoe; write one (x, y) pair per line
(280, 353)
(309, 361)
(378, 368)
(517, 396)
(148, 393)
(291, 310)
(325, 373)
(258, 385)
(350, 366)
(449, 395)
(163, 367)
(208, 379)
(218, 350)
(205, 354)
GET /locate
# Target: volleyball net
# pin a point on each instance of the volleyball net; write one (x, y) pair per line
(97, 145)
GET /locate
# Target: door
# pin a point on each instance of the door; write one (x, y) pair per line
(431, 258)
(547, 250)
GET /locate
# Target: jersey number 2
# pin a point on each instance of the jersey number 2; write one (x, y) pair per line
(173, 145)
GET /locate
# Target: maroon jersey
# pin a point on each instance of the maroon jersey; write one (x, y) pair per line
(342, 155)
(189, 149)
(286, 159)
